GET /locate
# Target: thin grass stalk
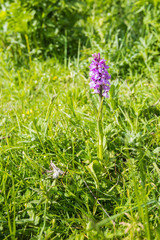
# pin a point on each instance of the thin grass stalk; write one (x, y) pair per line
(14, 209)
(65, 49)
(44, 222)
(7, 207)
(29, 50)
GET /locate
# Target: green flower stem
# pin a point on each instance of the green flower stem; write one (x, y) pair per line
(100, 127)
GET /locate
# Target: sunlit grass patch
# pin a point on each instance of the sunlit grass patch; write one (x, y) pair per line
(48, 113)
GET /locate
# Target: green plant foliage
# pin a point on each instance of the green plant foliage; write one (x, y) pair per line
(48, 113)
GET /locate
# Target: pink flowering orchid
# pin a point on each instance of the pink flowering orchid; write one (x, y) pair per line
(99, 76)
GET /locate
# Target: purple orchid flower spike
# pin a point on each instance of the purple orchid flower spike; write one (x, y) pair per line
(101, 85)
(99, 76)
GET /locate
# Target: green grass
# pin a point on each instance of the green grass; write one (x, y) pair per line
(48, 113)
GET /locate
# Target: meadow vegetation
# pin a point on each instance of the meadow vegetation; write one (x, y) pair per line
(48, 113)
